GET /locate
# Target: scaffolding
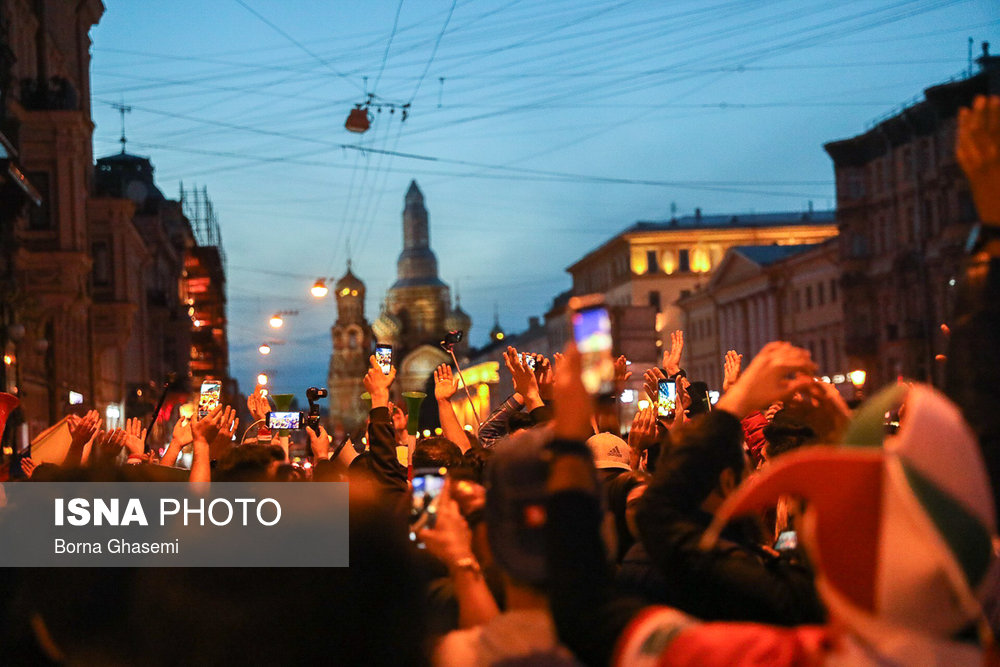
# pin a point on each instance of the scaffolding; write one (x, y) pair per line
(198, 209)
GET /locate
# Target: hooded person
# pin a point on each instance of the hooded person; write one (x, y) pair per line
(900, 531)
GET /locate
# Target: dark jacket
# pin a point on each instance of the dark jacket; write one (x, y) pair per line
(387, 475)
(639, 577)
(736, 580)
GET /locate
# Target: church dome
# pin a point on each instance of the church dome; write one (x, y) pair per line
(457, 319)
(349, 282)
(387, 327)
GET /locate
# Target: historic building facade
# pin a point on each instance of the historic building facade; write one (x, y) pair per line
(418, 309)
(763, 293)
(352, 345)
(905, 211)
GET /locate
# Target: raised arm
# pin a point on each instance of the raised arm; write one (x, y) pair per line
(445, 386)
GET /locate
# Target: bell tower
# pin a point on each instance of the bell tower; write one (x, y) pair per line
(352, 345)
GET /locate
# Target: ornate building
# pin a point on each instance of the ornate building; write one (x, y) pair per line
(905, 212)
(352, 344)
(417, 309)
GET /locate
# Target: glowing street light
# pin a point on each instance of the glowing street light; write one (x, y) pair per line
(857, 378)
(276, 321)
(264, 349)
(262, 378)
(319, 289)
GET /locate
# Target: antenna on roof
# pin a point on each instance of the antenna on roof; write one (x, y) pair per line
(123, 109)
(969, 71)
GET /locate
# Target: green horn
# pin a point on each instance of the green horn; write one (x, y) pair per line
(413, 401)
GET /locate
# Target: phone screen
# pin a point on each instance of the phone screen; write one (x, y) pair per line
(209, 399)
(528, 360)
(713, 396)
(427, 485)
(383, 357)
(787, 540)
(592, 333)
(284, 420)
(666, 398)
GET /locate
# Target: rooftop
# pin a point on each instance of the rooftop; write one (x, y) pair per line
(769, 254)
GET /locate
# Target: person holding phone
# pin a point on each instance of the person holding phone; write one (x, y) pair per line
(387, 476)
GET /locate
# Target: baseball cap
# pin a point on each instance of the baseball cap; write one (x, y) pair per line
(610, 451)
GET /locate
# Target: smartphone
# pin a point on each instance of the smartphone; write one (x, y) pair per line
(592, 333)
(528, 360)
(209, 399)
(666, 398)
(713, 396)
(427, 486)
(787, 541)
(284, 420)
(383, 357)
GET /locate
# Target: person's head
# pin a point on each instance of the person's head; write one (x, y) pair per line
(623, 493)
(515, 481)
(611, 455)
(785, 433)
(698, 393)
(704, 464)
(249, 463)
(436, 452)
(473, 464)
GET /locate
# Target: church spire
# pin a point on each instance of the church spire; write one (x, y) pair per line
(417, 264)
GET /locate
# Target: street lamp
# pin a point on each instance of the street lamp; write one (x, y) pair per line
(264, 349)
(319, 289)
(857, 378)
(262, 379)
(278, 319)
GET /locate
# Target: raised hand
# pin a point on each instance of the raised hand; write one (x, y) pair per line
(574, 411)
(135, 436)
(377, 383)
(445, 383)
(450, 540)
(319, 444)
(258, 404)
(651, 383)
(977, 147)
(672, 357)
(545, 376)
(108, 444)
(205, 430)
(622, 374)
(778, 371)
(731, 369)
(523, 377)
(82, 429)
(643, 433)
(181, 434)
(28, 467)
(223, 440)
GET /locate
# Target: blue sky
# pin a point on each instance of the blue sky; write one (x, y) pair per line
(556, 125)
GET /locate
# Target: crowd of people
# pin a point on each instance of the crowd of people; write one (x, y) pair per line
(778, 526)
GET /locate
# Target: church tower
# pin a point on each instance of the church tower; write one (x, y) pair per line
(352, 345)
(418, 309)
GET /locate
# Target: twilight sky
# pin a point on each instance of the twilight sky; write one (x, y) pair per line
(556, 125)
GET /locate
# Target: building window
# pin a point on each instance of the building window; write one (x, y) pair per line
(798, 303)
(654, 300)
(833, 290)
(822, 355)
(101, 256)
(684, 260)
(40, 217)
(652, 265)
(820, 294)
(809, 297)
